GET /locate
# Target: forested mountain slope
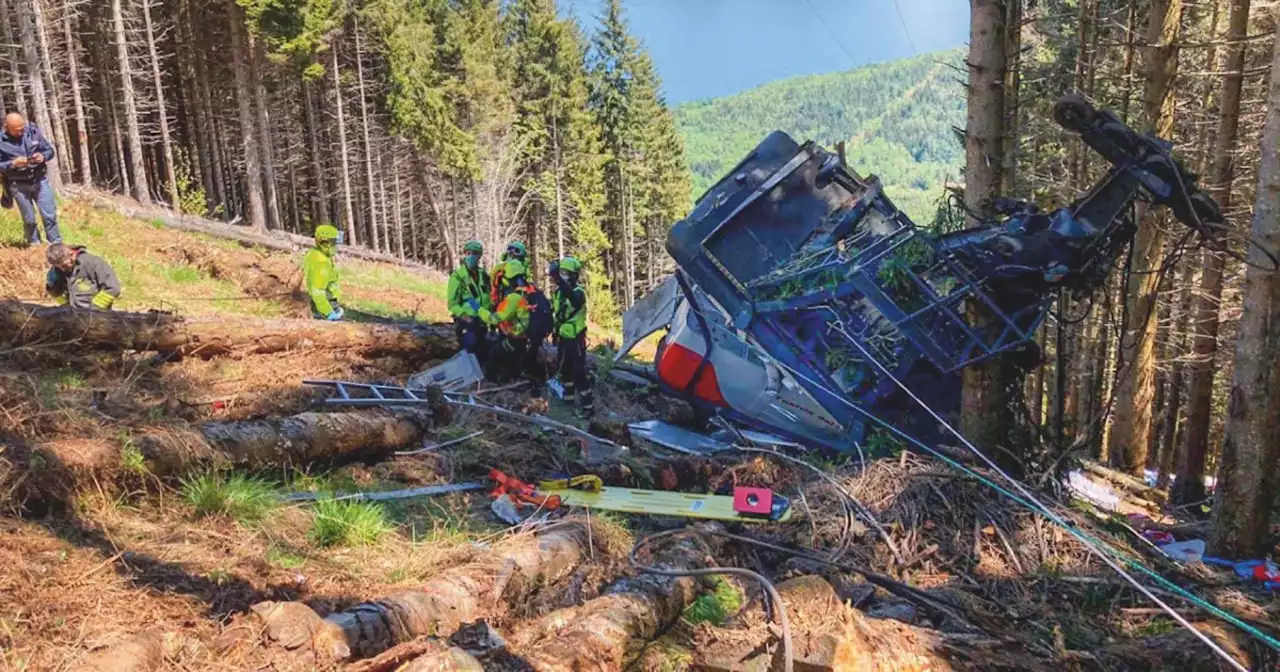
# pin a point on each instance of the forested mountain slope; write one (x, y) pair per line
(896, 117)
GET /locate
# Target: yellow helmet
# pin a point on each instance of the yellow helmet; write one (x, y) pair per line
(326, 232)
(514, 268)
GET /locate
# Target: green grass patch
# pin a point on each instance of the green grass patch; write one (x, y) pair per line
(348, 522)
(183, 275)
(718, 605)
(244, 498)
(381, 276)
(326, 482)
(131, 459)
(284, 558)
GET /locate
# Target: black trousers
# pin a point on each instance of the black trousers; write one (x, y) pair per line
(514, 358)
(573, 372)
(473, 336)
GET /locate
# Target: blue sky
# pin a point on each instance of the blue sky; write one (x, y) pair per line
(709, 48)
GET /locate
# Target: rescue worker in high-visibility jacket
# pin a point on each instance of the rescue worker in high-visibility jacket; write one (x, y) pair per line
(511, 318)
(468, 293)
(516, 251)
(569, 309)
(79, 279)
(321, 275)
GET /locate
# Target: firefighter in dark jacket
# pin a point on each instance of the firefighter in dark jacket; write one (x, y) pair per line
(569, 307)
(468, 293)
(80, 279)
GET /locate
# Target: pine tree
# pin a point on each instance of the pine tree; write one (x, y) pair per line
(613, 59)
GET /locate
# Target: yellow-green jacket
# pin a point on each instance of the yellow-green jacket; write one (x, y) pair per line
(464, 287)
(570, 312)
(321, 277)
(512, 315)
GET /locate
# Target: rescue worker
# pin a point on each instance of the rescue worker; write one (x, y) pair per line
(321, 275)
(523, 320)
(515, 251)
(80, 279)
(510, 316)
(569, 307)
(467, 295)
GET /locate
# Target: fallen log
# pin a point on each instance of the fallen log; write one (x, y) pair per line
(1130, 484)
(476, 590)
(273, 240)
(610, 631)
(28, 324)
(826, 636)
(300, 439)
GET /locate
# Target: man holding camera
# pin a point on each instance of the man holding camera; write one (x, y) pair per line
(24, 159)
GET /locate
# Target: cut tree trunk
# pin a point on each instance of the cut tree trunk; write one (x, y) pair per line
(516, 569)
(610, 631)
(293, 441)
(137, 165)
(26, 323)
(1245, 488)
(1135, 393)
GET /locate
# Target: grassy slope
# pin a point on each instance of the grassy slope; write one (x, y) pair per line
(189, 273)
(897, 118)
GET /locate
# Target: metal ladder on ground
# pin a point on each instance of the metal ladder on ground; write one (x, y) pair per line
(365, 394)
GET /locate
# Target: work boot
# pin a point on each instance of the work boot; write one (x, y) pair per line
(588, 407)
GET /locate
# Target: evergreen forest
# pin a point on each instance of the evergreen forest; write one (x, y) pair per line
(412, 125)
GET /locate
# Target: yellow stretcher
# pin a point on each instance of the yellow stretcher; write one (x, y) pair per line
(659, 503)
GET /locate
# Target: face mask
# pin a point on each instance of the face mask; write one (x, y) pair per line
(471, 261)
(564, 275)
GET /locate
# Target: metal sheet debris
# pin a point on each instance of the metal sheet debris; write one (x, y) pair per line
(649, 314)
(385, 495)
(676, 438)
(757, 438)
(456, 373)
